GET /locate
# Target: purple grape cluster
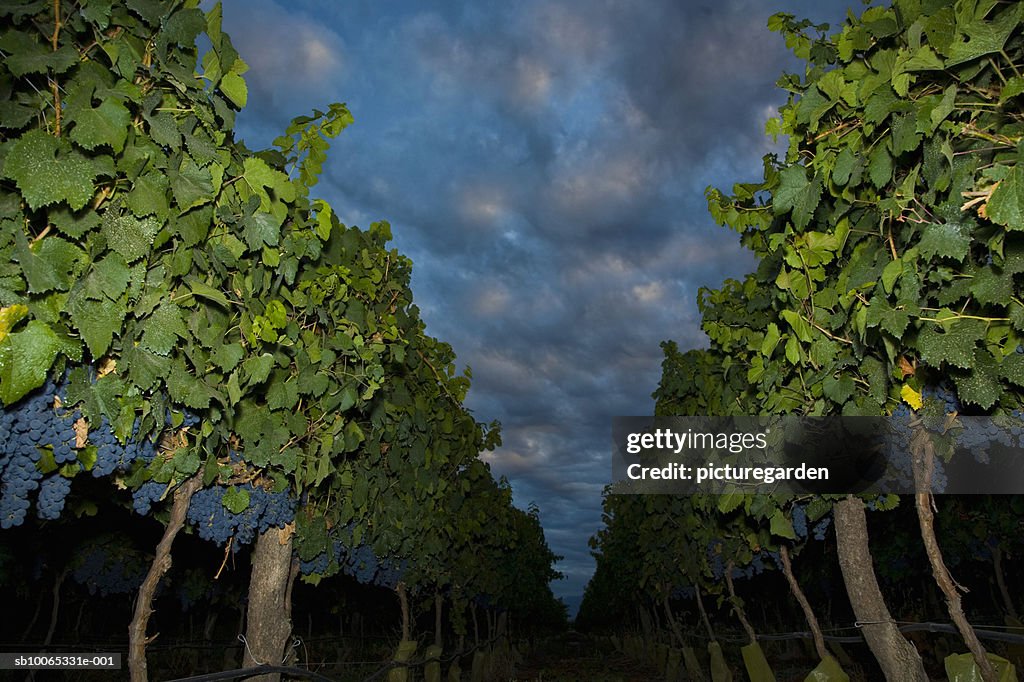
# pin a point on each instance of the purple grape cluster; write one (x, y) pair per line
(34, 426)
(217, 523)
(360, 563)
(109, 566)
(25, 428)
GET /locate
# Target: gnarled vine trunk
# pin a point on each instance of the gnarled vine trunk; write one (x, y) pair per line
(137, 640)
(805, 606)
(897, 657)
(269, 617)
(923, 456)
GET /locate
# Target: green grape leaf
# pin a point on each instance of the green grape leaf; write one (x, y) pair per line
(905, 137)
(1013, 87)
(838, 390)
(106, 124)
(25, 359)
(227, 356)
(781, 526)
(233, 86)
(109, 278)
(48, 171)
(257, 369)
(948, 240)
(880, 166)
(145, 368)
(991, 285)
(261, 228)
(980, 385)
(283, 395)
(845, 163)
(1006, 205)
(730, 501)
(1012, 368)
(235, 499)
(72, 224)
(25, 54)
(194, 226)
(164, 130)
(49, 264)
(97, 322)
(187, 389)
(201, 289)
(1017, 317)
(149, 195)
(984, 37)
(191, 185)
(952, 342)
(797, 194)
(128, 235)
(163, 328)
(881, 314)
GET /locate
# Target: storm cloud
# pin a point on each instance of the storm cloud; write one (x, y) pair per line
(544, 165)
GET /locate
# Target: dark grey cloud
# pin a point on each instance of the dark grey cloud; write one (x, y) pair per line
(544, 164)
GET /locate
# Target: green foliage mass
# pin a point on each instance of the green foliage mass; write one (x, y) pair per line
(890, 240)
(171, 269)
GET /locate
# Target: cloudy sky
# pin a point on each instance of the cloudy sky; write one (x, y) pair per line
(543, 163)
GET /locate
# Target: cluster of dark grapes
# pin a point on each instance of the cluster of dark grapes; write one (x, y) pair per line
(35, 425)
(145, 495)
(360, 563)
(25, 428)
(978, 434)
(112, 456)
(107, 568)
(217, 523)
(821, 527)
(756, 565)
(800, 521)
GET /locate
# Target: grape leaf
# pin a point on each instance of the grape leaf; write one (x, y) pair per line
(233, 86)
(980, 385)
(951, 342)
(235, 499)
(905, 137)
(228, 356)
(797, 194)
(191, 185)
(49, 263)
(47, 171)
(162, 329)
(984, 37)
(261, 228)
(1012, 367)
(24, 54)
(25, 359)
(948, 240)
(97, 321)
(258, 368)
(148, 195)
(782, 526)
(881, 314)
(145, 368)
(128, 235)
(106, 124)
(187, 389)
(1006, 205)
(992, 286)
(109, 278)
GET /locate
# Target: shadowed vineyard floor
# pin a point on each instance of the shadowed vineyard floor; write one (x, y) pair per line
(578, 658)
